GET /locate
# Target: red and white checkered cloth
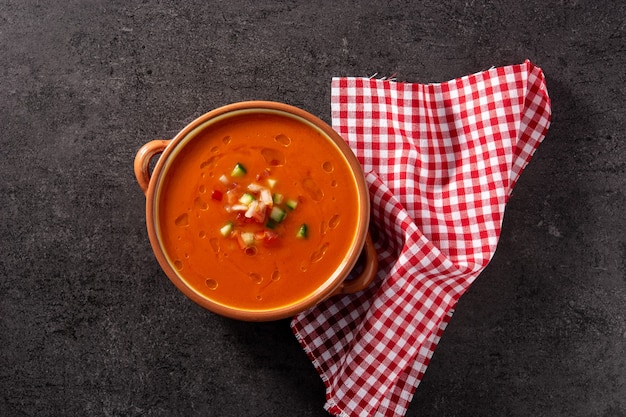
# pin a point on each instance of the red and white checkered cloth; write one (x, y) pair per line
(441, 161)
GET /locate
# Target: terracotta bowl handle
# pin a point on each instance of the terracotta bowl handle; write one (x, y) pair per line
(369, 272)
(142, 161)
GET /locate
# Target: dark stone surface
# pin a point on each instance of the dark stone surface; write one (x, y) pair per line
(90, 326)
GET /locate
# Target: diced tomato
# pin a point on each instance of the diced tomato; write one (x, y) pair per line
(270, 237)
(266, 236)
(263, 175)
(232, 197)
(241, 219)
(217, 195)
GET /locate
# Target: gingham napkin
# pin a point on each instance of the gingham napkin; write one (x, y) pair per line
(441, 161)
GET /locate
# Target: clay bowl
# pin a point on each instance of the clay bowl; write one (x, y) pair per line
(257, 211)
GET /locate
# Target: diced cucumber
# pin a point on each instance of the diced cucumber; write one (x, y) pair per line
(291, 204)
(226, 229)
(278, 198)
(277, 214)
(238, 171)
(246, 199)
(303, 232)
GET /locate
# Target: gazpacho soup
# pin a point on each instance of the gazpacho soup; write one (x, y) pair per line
(257, 210)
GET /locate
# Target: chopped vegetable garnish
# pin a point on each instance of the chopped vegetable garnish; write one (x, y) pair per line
(254, 187)
(262, 175)
(247, 238)
(252, 208)
(303, 232)
(270, 236)
(291, 204)
(217, 195)
(237, 207)
(238, 171)
(266, 197)
(246, 199)
(226, 229)
(232, 197)
(277, 214)
(257, 209)
(278, 198)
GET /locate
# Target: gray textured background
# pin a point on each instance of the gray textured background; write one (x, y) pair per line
(90, 326)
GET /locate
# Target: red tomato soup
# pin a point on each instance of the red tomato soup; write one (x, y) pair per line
(256, 211)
